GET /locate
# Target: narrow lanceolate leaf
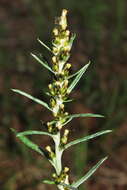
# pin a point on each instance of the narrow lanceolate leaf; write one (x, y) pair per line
(67, 121)
(91, 171)
(32, 98)
(28, 143)
(77, 78)
(86, 138)
(69, 100)
(42, 43)
(83, 115)
(42, 62)
(77, 72)
(31, 132)
(72, 39)
(49, 182)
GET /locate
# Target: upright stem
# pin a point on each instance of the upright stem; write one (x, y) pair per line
(58, 154)
(59, 94)
(58, 158)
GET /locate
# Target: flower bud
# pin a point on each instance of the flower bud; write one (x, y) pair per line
(48, 148)
(66, 169)
(66, 132)
(62, 106)
(68, 65)
(50, 86)
(55, 31)
(67, 32)
(51, 153)
(64, 12)
(54, 175)
(54, 59)
(63, 20)
(65, 83)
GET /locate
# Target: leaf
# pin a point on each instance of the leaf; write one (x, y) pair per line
(83, 115)
(67, 121)
(70, 117)
(77, 72)
(77, 78)
(72, 39)
(86, 138)
(31, 132)
(90, 172)
(32, 98)
(28, 143)
(42, 43)
(49, 182)
(44, 63)
(69, 100)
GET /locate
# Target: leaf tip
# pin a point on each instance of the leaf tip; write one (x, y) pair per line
(48, 182)
(104, 159)
(32, 54)
(38, 40)
(13, 130)
(13, 89)
(109, 131)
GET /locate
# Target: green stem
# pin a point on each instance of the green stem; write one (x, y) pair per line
(57, 160)
(58, 152)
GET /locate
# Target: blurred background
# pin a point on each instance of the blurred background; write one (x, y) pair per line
(101, 29)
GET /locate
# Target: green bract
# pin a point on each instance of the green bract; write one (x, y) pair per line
(59, 89)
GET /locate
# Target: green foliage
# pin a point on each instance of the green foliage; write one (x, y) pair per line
(28, 143)
(49, 182)
(32, 98)
(43, 44)
(87, 138)
(83, 115)
(42, 62)
(77, 78)
(91, 171)
(30, 132)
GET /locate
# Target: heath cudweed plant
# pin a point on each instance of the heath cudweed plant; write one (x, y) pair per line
(59, 90)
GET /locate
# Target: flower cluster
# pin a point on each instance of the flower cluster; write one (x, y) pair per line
(61, 53)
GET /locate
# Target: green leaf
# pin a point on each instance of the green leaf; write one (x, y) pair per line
(42, 43)
(77, 72)
(70, 117)
(28, 143)
(72, 38)
(77, 78)
(86, 138)
(91, 171)
(32, 98)
(69, 100)
(49, 182)
(67, 121)
(31, 132)
(42, 62)
(83, 115)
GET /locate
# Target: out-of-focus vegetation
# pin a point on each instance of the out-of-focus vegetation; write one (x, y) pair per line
(101, 30)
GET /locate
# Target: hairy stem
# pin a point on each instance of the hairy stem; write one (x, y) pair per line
(58, 154)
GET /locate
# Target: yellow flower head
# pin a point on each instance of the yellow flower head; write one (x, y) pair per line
(63, 20)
